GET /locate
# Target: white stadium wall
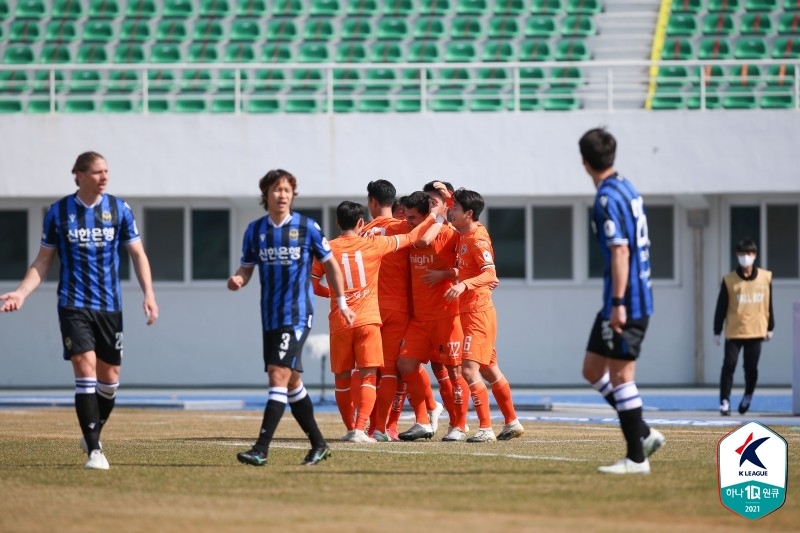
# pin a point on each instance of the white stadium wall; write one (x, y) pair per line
(209, 336)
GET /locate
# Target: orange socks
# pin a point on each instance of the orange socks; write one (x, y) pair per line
(383, 403)
(446, 390)
(344, 401)
(366, 400)
(397, 404)
(416, 392)
(461, 403)
(480, 399)
(501, 391)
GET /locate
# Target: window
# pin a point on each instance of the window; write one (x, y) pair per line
(745, 224)
(164, 242)
(552, 243)
(595, 255)
(783, 239)
(210, 243)
(13, 244)
(507, 229)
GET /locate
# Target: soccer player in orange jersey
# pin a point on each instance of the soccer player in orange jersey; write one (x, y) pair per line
(394, 296)
(476, 273)
(434, 327)
(359, 345)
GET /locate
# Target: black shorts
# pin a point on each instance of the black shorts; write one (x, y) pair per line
(86, 330)
(284, 346)
(606, 342)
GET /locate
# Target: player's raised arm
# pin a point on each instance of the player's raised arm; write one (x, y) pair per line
(13, 301)
(317, 273)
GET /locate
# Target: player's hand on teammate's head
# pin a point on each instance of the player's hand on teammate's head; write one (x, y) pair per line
(448, 196)
(235, 283)
(349, 315)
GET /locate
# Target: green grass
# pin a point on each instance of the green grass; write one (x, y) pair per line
(177, 471)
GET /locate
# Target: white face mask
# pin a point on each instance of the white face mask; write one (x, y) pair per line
(746, 260)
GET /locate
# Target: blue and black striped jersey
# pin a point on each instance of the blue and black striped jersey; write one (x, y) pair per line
(619, 219)
(284, 254)
(87, 238)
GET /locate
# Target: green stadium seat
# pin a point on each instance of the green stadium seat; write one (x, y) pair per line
(318, 29)
(755, 24)
(509, 7)
(18, 54)
(92, 53)
(104, 9)
(67, 9)
(190, 105)
(780, 75)
(365, 8)
(544, 27)
(786, 48)
(196, 81)
(392, 28)
(739, 98)
(42, 82)
(351, 53)
(578, 26)
(158, 105)
(259, 104)
(214, 8)
(459, 52)
(529, 99)
(41, 105)
(745, 76)
(226, 83)
(24, 31)
(672, 76)
(239, 53)
(85, 82)
(5, 11)
(531, 77)
(276, 53)
(584, 6)
(269, 81)
(202, 53)
(178, 8)
(251, 8)
(209, 31)
(134, 30)
(398, 7)
(547, 7)
(374, 98)
(723, 5)
(281, 30)
(408, 100)
(344, 85)
(287, 8)
(751, 48)
(325, 8)
(712, 100)
(713, 75)
(55, 53)
(61, 31)
(141, 9)
(98, 31)
(667, 100)
(761, 5)
(535, 50)
(435, 7)
(345, 78)
(429, 28)
(677, 49)
(386, 52)
(172, 30)
(681, 24)
(687, 6)
(472, 7)
(466, 28)
(452, 78)
(123, 81)
(10, 106)
(503, 28)
(560, 99)
(118, 106)
(129, 53)
(160, 81)
(423, 52)
(489, 100)
(448, 100)
(79, 106)
(303, 97)
(356, 29)
(713, 48)
(13, 81)
(162, 52)
(223, 105)
(777, 98)
(493, 77)
(791, 5)
(498, 51)
(245, 30)
(313, 52)
(572, 50)
(789, 23)
(31, 9)
(566, 77)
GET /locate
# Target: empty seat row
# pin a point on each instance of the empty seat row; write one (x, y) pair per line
(726, 24)
(149, 9)
(733, 98)
(738, 75)
(720, 48)
(730, 6)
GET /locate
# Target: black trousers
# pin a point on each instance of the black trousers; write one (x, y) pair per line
(752, 352)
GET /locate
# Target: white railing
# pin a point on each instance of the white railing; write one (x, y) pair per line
(404, 87)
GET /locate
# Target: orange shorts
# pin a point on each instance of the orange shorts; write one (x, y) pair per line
(441, 337)
(358, 347)
(480, 334)
(394, 328)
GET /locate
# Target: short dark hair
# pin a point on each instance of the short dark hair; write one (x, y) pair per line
(429, 188)
(382, 191)
(84, 161)
(746, 246)
(348, 214)
(470, 200)
(598, 148)
(417, 200)
(271, 178)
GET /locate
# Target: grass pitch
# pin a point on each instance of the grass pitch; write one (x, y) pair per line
(177, 471)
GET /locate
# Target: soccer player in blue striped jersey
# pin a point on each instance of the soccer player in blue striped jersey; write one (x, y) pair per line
(87, 229)
(283, 245)
(620, 223)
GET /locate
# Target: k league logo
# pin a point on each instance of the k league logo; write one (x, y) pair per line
(752, 470)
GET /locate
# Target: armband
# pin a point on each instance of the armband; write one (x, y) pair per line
(342, 301)
(616, 302)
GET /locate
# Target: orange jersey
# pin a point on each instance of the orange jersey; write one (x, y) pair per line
(429, 302)
(394, 283)
(475, 257)
(360, 261)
